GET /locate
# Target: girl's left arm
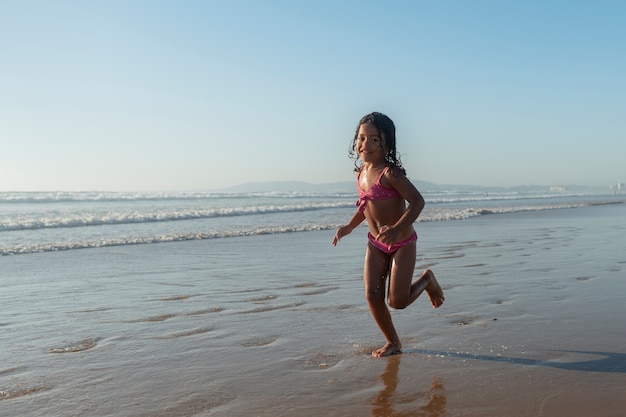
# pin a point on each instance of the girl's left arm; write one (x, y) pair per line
(413, 197)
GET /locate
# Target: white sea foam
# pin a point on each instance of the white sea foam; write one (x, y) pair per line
(139, 240)
(85, 218)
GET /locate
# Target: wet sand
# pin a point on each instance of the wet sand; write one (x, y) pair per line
(277, 325)
(531, 326)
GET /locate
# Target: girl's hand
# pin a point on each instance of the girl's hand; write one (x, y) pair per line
(341, 232)
(388, 235)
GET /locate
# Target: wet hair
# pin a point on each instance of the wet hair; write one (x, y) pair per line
(387, 131)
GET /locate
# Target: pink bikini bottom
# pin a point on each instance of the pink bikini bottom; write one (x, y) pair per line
(391, 249)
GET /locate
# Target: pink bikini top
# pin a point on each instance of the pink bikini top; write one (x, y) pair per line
(376, 192)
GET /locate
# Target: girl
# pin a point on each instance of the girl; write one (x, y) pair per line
(384, 191)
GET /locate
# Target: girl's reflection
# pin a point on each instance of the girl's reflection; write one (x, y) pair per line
(388, 403)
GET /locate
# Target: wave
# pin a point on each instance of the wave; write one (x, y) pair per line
(142, 240)
(85, 219)
(54, 219)
(439, 198)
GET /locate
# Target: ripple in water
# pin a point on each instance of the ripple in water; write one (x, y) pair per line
(79, 346)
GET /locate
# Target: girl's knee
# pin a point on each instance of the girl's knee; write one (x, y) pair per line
(398, 303)
(375, 294)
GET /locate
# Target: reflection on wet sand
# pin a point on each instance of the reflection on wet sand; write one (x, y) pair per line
(389, 403)
(610, 362)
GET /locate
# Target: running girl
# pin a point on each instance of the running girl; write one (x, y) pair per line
(384, 191)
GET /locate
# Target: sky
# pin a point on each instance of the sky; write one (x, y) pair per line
(129, 95)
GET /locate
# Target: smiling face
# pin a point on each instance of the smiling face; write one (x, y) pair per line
(369, 143)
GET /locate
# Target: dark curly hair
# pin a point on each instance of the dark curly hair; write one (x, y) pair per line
(387, 131)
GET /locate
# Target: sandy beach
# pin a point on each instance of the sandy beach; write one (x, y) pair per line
(277, 325)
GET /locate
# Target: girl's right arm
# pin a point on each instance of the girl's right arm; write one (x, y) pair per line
(356, 220)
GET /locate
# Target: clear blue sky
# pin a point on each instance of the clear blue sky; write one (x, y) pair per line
(186, 95)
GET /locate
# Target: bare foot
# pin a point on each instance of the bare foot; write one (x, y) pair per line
(434, 291)
(388, 350)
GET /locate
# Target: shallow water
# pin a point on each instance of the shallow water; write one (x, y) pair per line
(277, 325)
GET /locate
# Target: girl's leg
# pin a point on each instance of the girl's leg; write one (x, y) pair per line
(375, 273)
(402, 292)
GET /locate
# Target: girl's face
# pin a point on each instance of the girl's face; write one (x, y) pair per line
(369, 144)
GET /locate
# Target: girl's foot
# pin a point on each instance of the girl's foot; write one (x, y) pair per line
(434, 291)
(388, 350)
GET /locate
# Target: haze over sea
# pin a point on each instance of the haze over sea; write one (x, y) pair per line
(234, 303)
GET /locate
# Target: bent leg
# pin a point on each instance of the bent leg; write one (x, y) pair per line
(375, 273)
(402, 291)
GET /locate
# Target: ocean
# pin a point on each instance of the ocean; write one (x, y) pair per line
(237, 304)
(54, 221)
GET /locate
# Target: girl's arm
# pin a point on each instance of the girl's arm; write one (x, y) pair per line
(414, 199)
(389, 234)
(356, 220)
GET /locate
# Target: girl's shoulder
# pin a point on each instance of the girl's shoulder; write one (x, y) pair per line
(391, 176)
(394, 171)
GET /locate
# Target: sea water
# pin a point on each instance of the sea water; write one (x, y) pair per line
(52, 221)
